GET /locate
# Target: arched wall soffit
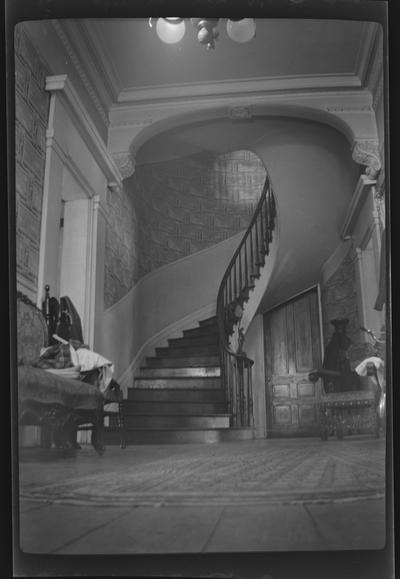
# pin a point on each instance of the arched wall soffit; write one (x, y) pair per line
(362, 137)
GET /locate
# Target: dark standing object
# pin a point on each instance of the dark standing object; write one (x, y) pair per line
(70, 321)
(51, 310)
(336, 360)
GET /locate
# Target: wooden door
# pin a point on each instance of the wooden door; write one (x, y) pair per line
(292, 350)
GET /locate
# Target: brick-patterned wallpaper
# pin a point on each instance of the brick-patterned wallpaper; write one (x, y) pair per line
(171, 209)
(31, 111)
(339, 300)
(121, 262)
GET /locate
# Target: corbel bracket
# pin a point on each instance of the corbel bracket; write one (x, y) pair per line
(366, 152)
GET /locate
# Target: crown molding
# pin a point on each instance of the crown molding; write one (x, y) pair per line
(102, 59)
(90, 56)
(71, 41)
(60, 84)
(374, 76)
(240, 87)
(366, 49)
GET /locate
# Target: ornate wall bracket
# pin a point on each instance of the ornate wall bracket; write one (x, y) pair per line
(125, 164)
(240, 113)
(366, 152)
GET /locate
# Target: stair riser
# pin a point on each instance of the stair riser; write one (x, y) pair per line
(205, 436)
(201, 332)
(199, 372)
(208, 322)
(202, 382)
(175, 422)
(191, 341)
(192, 409)
(176, 395)
(208, 350)
(190, 361)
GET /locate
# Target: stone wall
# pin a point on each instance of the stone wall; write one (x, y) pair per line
(31, 111)
(172, 209)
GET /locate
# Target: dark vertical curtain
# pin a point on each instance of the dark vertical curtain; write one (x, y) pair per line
(380, 300)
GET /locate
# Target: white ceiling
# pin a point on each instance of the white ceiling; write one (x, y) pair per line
(134, 57)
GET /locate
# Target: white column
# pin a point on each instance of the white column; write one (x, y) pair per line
(45, 202)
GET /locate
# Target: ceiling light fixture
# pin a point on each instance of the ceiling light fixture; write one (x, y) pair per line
(172, 30)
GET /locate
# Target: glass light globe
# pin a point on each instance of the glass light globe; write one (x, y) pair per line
(170, 30)
(241, 30)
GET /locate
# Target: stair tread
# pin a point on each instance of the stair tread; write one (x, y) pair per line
(181, 428)
(193, 389)
(150, 378)
(176, 352)
(175, 362)
(186, 415)
(215, 366)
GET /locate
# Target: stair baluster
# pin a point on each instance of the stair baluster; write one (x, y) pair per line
(236, 283)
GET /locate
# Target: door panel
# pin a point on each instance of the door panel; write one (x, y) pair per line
(292, 350)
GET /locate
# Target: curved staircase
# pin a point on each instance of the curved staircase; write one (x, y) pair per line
(198, 388)
(178, 397)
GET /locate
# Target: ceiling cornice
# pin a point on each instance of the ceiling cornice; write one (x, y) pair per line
(89, 52)
(240, 87)
(365, 51)
(73, 46)
(374, 76)
(102, 60)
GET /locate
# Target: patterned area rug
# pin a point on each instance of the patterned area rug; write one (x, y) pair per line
(252, 472)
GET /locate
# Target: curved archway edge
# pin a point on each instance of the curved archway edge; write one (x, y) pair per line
(355, 121)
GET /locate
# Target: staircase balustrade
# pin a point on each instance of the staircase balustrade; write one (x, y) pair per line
(237, 282)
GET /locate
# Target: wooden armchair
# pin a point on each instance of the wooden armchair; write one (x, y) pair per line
(60, 402)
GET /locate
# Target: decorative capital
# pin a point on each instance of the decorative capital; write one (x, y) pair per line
(114, 187)
(366, 152)
(125, 164)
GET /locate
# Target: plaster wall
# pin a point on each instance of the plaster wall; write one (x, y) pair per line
(159, 300)
(313, 177)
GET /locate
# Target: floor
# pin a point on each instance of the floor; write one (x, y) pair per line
(252, 496)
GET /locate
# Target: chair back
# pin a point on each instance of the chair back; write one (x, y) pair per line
(32, 332)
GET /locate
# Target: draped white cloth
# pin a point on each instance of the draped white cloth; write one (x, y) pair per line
(379, 364)
(89, 360)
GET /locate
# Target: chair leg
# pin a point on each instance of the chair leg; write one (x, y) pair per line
(121, 424)
(97, 433)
